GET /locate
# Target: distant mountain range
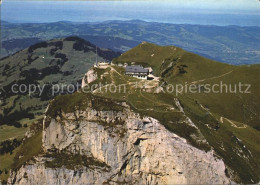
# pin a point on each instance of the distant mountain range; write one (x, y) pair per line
(229, 44)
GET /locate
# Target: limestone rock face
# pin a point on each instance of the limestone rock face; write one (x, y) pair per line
(37, 174)
(89, 77)
(138, 150)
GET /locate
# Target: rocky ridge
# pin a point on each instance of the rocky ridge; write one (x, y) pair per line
(126, 148)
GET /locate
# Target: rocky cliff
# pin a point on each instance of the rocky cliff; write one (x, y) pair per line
(89, 77)
(95, 145)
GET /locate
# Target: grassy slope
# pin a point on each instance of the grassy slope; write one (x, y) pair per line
(237, 146)
(30, 147)
(38, 65)
(11, 132)
(199, 68)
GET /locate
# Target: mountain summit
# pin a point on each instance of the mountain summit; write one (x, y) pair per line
(147, 134)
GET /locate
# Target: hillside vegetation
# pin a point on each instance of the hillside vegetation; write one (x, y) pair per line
(177, 66)
(228, 121)
(57, 63)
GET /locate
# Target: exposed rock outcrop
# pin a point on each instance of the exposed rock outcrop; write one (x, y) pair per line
(89, 77)
(137, 150)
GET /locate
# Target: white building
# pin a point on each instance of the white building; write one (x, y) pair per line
(137, 72)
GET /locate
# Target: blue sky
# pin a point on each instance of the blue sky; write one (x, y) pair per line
(219, 12)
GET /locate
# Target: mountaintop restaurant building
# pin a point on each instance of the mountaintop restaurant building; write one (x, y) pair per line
(137, 72)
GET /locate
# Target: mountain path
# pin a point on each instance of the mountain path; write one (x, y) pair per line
(231, 122)
(221, 119)
(215, 77)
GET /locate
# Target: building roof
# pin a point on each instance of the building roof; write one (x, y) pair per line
(136, 69)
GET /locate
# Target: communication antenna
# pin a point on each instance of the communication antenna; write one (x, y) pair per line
(96, 56)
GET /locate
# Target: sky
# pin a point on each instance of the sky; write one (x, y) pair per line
(213, 12)
(220, 5)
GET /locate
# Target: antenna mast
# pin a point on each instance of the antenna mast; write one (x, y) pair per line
(96, 56)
